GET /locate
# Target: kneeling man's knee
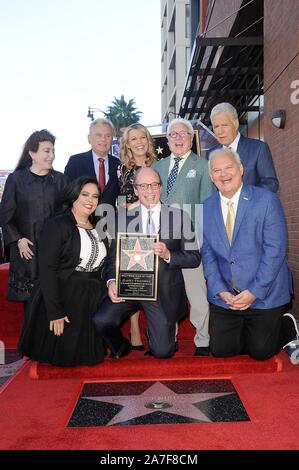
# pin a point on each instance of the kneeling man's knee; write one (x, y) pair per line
(163, 353)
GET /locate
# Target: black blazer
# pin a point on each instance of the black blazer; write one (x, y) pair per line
(82, 165)
(257, 161)
(27, 203)
(184, 254)
(59, 256)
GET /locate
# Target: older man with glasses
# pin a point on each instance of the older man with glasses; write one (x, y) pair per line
(186, 181)
(176, 249)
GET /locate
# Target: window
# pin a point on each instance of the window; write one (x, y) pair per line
(187, 21)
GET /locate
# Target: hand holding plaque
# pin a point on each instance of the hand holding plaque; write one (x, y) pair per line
(136, 266)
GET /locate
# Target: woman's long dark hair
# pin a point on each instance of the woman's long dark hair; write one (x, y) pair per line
(32, 144)
(73, 190)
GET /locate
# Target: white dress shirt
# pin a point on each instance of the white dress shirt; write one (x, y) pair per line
(155, 213)
(224, 200)
(234, 144)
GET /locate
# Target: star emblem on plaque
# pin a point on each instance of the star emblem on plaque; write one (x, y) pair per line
(136, 266)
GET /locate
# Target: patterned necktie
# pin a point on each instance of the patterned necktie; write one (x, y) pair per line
(150, 226)
(173, 175)
(230, 220)
(102, 179)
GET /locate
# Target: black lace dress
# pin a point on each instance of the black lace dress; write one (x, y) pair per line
(126, 179)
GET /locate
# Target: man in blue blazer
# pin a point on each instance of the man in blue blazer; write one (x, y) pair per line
(255, 154)
(89, 163)
(244, 260)
(176, 249)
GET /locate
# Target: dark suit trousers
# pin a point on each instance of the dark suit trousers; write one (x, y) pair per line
(257, 332)
(161, 330)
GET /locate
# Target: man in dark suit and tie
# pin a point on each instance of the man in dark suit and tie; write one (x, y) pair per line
(97, 163)
(244, 256)
(176, 249)
(255, 154)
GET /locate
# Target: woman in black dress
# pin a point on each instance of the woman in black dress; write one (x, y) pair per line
(58, 326)
(136, 151)
(32, 194)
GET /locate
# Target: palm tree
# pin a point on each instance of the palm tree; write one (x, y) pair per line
(123, 113)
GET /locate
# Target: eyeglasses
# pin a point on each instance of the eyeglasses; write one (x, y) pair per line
(146, 186)
(175, 134)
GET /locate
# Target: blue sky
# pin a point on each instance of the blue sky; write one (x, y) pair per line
(57, 57)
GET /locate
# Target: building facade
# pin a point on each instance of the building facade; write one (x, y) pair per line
(175, 53)
(246, 52)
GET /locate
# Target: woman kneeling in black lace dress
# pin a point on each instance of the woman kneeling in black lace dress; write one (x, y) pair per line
(58, 327)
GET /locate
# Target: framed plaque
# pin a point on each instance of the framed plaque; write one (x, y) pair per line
(136, 266)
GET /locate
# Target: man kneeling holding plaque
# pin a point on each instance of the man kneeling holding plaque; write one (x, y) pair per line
(176, 249)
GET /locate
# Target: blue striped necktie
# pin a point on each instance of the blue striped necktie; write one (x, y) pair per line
(173, 175)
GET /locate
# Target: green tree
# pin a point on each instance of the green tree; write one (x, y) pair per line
(123, 113)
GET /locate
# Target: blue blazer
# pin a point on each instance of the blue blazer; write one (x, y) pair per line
(82, 165)
(256, 259)
(257, 161)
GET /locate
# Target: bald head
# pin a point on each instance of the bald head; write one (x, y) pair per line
(147, 186)
(145, 171)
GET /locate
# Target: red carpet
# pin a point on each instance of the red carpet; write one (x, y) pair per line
(34, 413)
(11, 313)
(147, 367)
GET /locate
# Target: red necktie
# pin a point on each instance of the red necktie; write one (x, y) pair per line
(102, 182)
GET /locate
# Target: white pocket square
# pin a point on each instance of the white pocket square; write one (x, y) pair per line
(191, 174)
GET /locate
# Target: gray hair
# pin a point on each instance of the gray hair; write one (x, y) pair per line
(227, 151)
(105, 121)
(224, 108)
(185, 122)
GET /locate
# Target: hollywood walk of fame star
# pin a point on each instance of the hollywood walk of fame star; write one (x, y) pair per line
(159, 150)
(135, 406)
(137, 256)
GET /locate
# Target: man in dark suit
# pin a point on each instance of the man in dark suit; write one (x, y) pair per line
(255, 154)
(97, 163)
(176, 249)
(244, 257)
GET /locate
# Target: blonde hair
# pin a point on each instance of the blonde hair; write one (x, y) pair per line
(126, 154)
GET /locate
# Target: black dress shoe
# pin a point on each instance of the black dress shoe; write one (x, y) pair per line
(148, 353)
(124, 350)
(138, 347)
(202, 351)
